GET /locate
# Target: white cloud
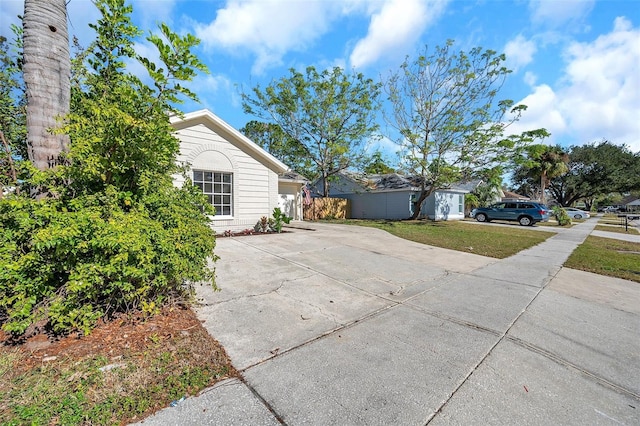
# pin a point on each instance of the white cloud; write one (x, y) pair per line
(519, 52)
(603, 86)
(211, 83)
(530, 78)
(267, 28)
(210, 87)
(397, 25)
(542, 112)
(557, 13)
(386, 146)
(598, 94)
(152, 13)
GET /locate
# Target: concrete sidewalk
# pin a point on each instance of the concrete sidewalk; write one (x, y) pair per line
(634, 238)
(350, 325)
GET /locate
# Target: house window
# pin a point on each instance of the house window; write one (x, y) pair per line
(218, 187)
(460, 203)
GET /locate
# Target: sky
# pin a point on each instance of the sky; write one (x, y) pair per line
(575, 63)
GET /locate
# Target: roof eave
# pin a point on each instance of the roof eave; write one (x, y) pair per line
(205, 117)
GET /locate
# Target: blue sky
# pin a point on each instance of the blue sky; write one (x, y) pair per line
(576, 63)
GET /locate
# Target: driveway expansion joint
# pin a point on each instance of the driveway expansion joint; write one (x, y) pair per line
(500, 339)
(268, 406)
(565, 363)
(456, 388)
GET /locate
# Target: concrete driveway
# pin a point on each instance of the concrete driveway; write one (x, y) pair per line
(349, 325)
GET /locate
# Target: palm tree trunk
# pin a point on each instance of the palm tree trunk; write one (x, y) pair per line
(47, 71)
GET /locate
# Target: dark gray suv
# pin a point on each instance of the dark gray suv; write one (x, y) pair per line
(526, 213)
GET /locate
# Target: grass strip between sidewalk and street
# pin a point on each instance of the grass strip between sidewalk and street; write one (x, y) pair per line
(618, 229)
(492, 241)
(607, 256)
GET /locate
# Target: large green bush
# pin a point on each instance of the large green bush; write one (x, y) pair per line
(66, 264)
(106, 231)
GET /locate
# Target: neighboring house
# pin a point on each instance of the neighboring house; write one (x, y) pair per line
(242, 181)
(512, 196)
(631, 204)
(393, 196)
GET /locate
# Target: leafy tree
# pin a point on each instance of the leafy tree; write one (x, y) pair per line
(12, 111)
(115, 235)
(543, 164)
(377, 165)
(489, 189)
(46, 73)
(449, 124)
(274, 140)
(331, 114)
(596, 170)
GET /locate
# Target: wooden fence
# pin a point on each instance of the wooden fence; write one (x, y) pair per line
(327, 208)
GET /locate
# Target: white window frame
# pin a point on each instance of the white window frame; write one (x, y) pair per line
(218, 187)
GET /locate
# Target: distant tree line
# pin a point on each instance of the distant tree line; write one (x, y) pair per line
(586, 173)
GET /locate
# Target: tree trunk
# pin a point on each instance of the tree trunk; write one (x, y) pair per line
(418, 204)
(325, 184)
(47, 72)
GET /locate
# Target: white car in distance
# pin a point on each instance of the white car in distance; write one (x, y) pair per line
(576, 213)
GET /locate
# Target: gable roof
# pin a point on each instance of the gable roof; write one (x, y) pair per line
(509, 195)
(292, 176)
(393, 182)
(630, 200)
(222, 128)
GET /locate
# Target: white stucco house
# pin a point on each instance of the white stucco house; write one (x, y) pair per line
(393, 196)
(243, 181)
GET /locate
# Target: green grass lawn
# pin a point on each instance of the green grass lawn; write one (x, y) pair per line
(485, 240)
(603, 256)
(610, 219)
(607, 256)
(620, 229)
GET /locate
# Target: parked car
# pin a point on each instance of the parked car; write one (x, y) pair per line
(576, 213)
(610, 209)
(526, 213)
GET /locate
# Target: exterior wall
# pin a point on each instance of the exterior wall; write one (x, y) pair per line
(255, 187)
(290, 199)
(396, 204)
(392, 205)
(444, 205)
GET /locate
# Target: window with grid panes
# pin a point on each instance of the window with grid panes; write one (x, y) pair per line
(218, 187)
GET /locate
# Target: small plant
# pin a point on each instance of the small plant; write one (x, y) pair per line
(279, 219)
(561, 216)
(264, 224)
